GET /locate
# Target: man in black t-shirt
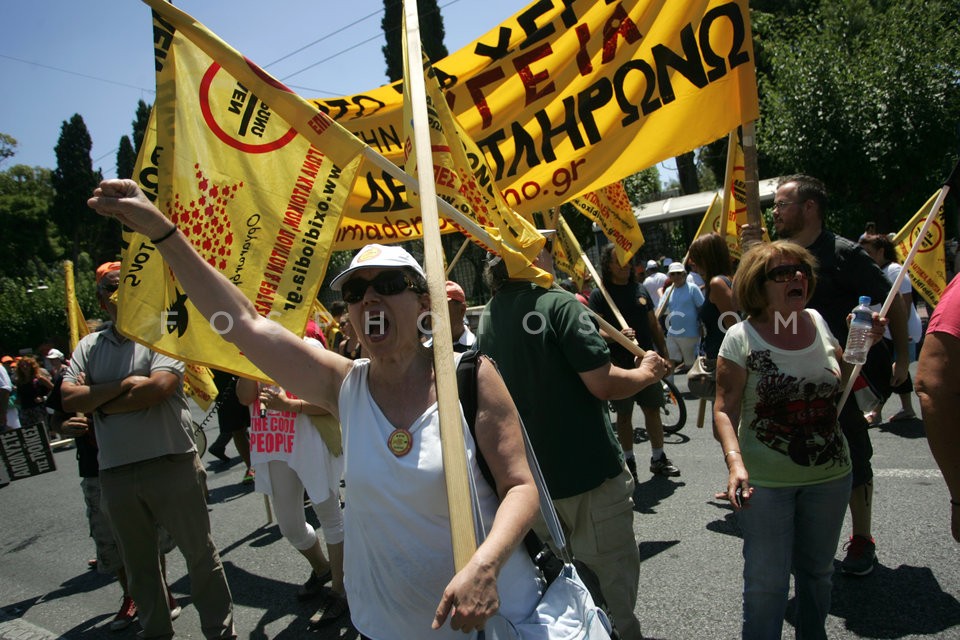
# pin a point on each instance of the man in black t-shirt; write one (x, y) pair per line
(633, 302)
(844, 273)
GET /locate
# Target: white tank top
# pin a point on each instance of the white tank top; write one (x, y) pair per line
(398, 557)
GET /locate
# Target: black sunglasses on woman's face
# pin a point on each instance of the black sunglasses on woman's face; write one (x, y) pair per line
(787, 272)
(386, 283)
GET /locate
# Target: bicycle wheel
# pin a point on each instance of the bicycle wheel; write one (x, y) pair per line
(199, 439)
(674, 411)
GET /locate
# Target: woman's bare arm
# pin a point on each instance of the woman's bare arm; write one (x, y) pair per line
(310, 373)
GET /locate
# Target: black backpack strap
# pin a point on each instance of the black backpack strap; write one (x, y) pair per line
(467, 376)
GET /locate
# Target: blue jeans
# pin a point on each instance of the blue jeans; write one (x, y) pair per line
(790, 529)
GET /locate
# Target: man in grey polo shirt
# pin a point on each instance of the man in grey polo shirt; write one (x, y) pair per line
(149, 470)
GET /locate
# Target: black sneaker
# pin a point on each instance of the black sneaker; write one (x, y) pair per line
(861, 556)
(663, 467)
(632, 466)
(220, 454)
(314, 585)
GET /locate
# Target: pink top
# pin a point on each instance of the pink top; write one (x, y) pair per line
(946, 317)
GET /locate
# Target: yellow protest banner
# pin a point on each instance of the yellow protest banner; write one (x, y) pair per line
(463, 179)
(198, 384)
(76, 324)
(566, 97)
(711, 219)
(255, 178)
(610, 208)
(928, 270)
(568, 255)
(735, 195)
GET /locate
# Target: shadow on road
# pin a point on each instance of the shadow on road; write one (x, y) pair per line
(910, 429)
(654, 547)
(727, 525)
(651, 493)
(891, 603)
(248, 590)
(82, 583)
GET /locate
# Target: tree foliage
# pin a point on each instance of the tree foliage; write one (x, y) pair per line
(643, 186)
(74, 181)
(864, 95)
(33, 306)
(26, 194)
(126, 158)
(8, 147)
(431, 34)
(140, 121)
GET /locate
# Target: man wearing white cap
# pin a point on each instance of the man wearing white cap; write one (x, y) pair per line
(654, 282)
(55, 365)
(682, 314)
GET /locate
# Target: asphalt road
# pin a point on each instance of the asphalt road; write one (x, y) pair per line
(690, 576)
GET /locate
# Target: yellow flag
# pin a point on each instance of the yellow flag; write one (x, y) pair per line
(198, 384)
(928, 270)
(76, 324)
(711, 219)
(711, 224)
(320, 314)
(564, 98)
(464, 180)
(610, 208)
(253, 175)
(736, 196)
(568, 255)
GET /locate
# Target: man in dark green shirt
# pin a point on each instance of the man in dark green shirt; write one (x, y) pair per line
(558, 371)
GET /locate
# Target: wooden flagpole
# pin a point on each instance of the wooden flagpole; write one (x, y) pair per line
(451, 432)
(572, 241)
(456, 258)
(751, 174)
(895, 287)
(609, 329)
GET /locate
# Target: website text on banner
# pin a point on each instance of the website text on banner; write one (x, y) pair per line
(564, 98)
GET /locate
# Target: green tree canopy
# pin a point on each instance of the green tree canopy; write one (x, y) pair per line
(74, 180)
(126, 158)
(864, 95)
(140, 121)
(431, 34)
(26, 194)
(8, 147)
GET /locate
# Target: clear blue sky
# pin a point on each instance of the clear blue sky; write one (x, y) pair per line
(95, 57)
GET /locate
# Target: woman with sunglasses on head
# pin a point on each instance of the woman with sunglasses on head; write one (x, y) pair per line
(398, 566)
(779, 376)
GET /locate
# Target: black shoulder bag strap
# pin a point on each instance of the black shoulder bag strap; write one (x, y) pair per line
(467, 371)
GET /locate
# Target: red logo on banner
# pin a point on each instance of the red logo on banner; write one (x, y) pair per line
(244, 118)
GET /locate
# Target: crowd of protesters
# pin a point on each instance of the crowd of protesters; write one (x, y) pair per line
(796, 459)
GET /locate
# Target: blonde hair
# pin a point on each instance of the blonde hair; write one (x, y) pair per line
(752, 273)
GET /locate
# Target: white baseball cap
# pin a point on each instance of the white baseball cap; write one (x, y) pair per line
(676, 267)
(54, 354)
(651, 264)
(377, 255)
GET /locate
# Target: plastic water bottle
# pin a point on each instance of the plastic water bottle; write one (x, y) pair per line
(858, 338)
